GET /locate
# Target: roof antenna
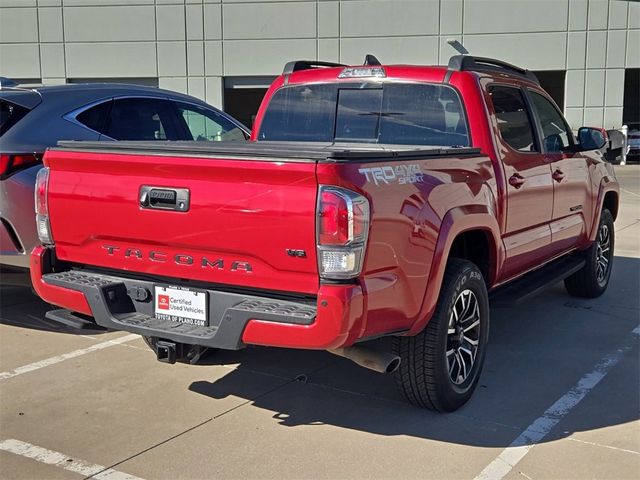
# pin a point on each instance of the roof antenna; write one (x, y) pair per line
(371, 60)
(457, 45)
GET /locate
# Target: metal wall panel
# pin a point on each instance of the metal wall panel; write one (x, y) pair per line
(536, 51)
(594, 88)
(18, 25)
(381, 18)
(170, 22)
(277, 20)
(420, 50)
(515, 16)
(121, 59)
(109, 24)
(263, 57)
(50, 24)
(20, 60)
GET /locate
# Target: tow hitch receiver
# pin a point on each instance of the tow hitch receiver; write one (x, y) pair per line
(172, 352)
(166, 351)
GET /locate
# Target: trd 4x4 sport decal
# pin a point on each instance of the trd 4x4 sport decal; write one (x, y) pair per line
(387, 174)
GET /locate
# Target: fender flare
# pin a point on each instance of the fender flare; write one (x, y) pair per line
(456, 221)
(607, 184)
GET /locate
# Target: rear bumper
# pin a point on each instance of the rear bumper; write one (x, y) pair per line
(18, 227)
(235, 319)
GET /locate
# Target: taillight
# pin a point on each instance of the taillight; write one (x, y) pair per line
(334, 218)
(42, 207)
(343, 225)
(10, 164)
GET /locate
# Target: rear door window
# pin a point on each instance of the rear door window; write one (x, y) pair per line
(141, 119)
(10, 114)
(393, 113)
(514, 121)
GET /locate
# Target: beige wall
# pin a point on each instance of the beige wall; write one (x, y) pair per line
(190, 45)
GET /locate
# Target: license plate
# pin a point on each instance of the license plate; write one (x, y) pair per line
(181, 305)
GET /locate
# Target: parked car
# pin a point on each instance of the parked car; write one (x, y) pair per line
(633, 142)
(374, 201)
(31, 120)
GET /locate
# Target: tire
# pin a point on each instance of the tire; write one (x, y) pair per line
(194, 353)
(592, 280)
(430, 373)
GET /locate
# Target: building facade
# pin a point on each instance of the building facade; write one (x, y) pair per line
(586, 52)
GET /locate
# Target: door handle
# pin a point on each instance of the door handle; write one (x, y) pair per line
(558, 175)
(162, 198)
(516, 180)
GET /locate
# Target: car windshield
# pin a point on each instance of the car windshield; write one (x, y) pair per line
(387, 113)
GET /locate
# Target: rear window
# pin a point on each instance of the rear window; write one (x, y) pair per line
(10, 114)
(392, 113)
(95, 117)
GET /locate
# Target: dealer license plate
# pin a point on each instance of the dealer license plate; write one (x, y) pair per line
(181, 305)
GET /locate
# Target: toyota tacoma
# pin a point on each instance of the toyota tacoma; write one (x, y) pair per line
(372, 201)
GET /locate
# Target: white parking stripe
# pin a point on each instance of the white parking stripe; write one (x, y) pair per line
(540, 427)
(65, 356)
(604, 446)
(61, 460)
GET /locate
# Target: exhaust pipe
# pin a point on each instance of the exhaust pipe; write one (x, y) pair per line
(381, 362)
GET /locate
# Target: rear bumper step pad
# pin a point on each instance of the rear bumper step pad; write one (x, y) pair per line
(116, 304)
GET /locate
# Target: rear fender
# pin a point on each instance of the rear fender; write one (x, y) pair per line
(455, 222)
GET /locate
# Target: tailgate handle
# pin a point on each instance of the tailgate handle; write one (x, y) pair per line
(163, 198)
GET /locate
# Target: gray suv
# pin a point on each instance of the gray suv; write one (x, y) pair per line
(33, 119)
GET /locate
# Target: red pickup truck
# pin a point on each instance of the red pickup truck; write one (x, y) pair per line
(373, 201)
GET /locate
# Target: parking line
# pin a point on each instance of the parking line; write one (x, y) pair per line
(604, 446)
(540, 427)
(628, 191)
(57, 459)
(65, 356)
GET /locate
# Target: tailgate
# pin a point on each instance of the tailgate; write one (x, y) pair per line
(243, 220)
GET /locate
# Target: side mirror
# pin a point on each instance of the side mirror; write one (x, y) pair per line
(591, 138)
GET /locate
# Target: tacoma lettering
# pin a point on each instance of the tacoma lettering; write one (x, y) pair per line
(182, 259)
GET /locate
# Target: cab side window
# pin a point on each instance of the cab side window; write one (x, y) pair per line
(555, 132)
(514, 121)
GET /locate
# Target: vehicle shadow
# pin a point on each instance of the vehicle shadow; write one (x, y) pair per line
(538, 351)
(20, 307)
